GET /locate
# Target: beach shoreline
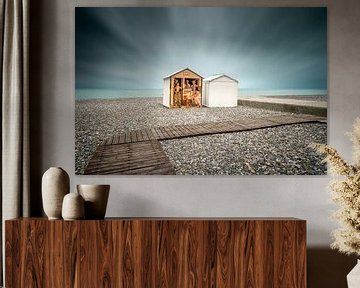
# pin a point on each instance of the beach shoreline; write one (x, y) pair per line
(99, 119)
(295, 97)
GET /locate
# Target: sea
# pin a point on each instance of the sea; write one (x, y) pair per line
(89, 94)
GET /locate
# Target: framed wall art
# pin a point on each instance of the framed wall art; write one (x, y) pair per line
(200, 90)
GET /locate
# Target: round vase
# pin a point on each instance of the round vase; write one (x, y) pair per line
(96, 198)
(73, 207)
(55, 185)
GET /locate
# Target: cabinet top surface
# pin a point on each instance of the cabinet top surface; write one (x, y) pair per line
(175, 219)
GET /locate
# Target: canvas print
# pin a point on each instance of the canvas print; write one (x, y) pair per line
(200, 90)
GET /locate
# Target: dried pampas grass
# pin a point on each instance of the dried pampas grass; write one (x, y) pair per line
(345, 191)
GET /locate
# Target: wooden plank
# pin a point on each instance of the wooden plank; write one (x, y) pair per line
(133, 136)
(114, 139)
(33, 256)
(105, 272)
(190, 130)
(56, 268)
(300, 254)
(196, 129)
(184, 132)
(176, 132)
(169, 132)
(164, 132)
(108, 141)
(139, 136)
(132, 156)
(88, 261)
(71, 246)
(127, 137)
(154, 131)
(210, 254)
(145, 170)
(224, 256)
(13, 247)
(122, 138)
(145, 136)
(136, 261)
(162, 169)
(286, 248)
(158, 133)
(150, 134)
(97, 258)
(118, 138)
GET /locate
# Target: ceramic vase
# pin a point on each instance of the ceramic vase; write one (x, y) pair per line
(353, 278)
(73, 207)
(96, 198)
(55, 185)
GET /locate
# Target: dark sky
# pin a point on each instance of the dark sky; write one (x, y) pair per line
(263, 48)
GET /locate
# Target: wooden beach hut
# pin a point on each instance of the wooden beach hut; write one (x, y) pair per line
(182, 89)
(220, 91)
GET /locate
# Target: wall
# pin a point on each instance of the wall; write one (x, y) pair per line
(52, 132)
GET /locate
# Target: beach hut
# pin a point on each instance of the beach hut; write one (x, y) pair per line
(182, 89)
(220, 91)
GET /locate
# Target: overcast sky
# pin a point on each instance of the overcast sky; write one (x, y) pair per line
(263, 48)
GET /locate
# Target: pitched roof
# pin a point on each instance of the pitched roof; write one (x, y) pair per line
(168, 76)
(211, 78)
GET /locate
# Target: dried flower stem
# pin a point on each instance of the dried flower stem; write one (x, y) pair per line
(345, 191)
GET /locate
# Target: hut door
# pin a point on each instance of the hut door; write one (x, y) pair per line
(177, 96)
(186, 97)
(191, 93)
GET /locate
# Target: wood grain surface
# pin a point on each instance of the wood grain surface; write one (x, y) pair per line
(150, 252)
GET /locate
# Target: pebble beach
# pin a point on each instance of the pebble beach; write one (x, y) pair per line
(269, 151)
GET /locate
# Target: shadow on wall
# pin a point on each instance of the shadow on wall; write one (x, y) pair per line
(328, 268)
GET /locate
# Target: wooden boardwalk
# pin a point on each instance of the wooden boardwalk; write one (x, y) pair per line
(145, 157)
(139, 151)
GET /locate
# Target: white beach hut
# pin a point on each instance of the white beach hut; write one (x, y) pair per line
(220, 91)
(182, 89)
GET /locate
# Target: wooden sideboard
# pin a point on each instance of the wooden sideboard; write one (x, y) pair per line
(156, 252)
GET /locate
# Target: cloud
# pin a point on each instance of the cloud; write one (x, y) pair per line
(265, 48)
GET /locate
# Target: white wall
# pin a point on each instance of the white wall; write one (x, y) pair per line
(222, 92)
(298, 196)
(166, 92)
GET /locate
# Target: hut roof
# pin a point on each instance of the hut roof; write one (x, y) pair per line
(214, 77)
(168, 76)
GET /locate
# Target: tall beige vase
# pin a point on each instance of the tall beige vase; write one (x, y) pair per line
(55, 185)
(96, 198)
